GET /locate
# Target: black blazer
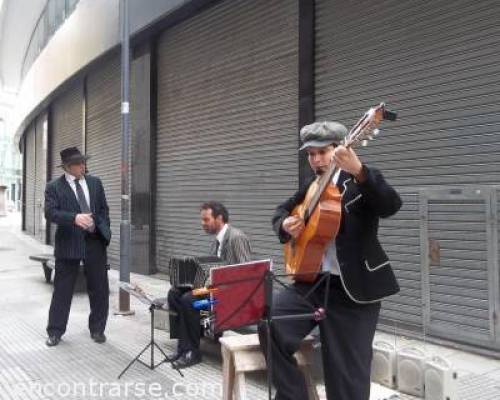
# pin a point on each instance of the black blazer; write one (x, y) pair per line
(61, 207)
(365, 271)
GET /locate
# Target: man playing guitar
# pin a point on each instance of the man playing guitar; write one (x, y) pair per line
(361, 275)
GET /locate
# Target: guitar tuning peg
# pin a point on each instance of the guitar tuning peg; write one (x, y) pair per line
(376, 132)
(364, 143)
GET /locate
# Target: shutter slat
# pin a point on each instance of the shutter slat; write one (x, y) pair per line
(104, 142)
(40, 176)
(30, 154)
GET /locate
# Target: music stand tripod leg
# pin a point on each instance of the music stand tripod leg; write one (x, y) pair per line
(268, 321)
(151, 344)
(152, 319)
(136, 358)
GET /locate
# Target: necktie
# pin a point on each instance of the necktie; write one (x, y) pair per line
(217, 244)
(82, 201)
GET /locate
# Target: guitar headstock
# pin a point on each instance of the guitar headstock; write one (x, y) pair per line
(367, 126)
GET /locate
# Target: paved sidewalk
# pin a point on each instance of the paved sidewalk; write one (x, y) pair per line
(31, 370)
(80, 369)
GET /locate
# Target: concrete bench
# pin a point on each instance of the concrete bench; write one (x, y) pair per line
(49, 264)
(242, 353)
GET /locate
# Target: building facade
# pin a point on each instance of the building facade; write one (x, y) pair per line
(10, 159)
(220, 90)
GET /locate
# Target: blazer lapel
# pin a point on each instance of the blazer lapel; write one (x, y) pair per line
(224, 244)
(92, 192)
(213, 247)
(69, 192)
(344, 179)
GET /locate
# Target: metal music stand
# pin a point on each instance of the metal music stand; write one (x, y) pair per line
(154, 304)
(246, 298)
(239, 296)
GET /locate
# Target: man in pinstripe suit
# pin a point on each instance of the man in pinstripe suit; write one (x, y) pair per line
(233, 247)
(76, 203)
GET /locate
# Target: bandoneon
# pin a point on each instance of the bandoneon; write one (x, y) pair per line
(192, 272)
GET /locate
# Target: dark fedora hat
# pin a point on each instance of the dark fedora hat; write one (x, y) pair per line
(72, 155)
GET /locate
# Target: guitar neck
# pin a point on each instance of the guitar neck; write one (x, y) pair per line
(324, 181)
(359, 132)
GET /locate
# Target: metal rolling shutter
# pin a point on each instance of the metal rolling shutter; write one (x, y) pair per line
(227, 123)
(30, 154)
(104, 142)
(40, 175)
(436, 63)
(66, 130)
(67, 125)
(400, 236)
(459, 237)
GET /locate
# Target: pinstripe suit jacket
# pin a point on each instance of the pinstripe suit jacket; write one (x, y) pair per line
(61, 207)
(236, 247)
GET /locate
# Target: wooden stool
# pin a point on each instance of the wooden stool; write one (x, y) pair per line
(242, 353)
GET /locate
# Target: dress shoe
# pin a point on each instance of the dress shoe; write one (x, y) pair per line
(53, 340)
(188, 359)
(175, 356)
(98, 337)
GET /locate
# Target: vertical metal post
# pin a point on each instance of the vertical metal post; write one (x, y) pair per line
(306, 79)
(124, 297)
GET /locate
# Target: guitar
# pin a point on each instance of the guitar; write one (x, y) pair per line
(321, 208)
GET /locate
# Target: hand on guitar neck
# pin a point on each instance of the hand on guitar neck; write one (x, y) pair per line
(347, 160)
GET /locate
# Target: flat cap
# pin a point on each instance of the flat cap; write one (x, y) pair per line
(319, 134)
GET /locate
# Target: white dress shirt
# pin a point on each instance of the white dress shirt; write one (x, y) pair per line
(220, 238)
(83, 183)
(330, 262)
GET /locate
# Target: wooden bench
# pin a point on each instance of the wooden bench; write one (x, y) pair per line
(49, 264)
(242, 353)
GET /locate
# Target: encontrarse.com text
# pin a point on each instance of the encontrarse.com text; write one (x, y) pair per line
(146, 390)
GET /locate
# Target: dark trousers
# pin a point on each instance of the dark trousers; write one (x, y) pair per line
(185, 325)
(346, 343)
(96, 274)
